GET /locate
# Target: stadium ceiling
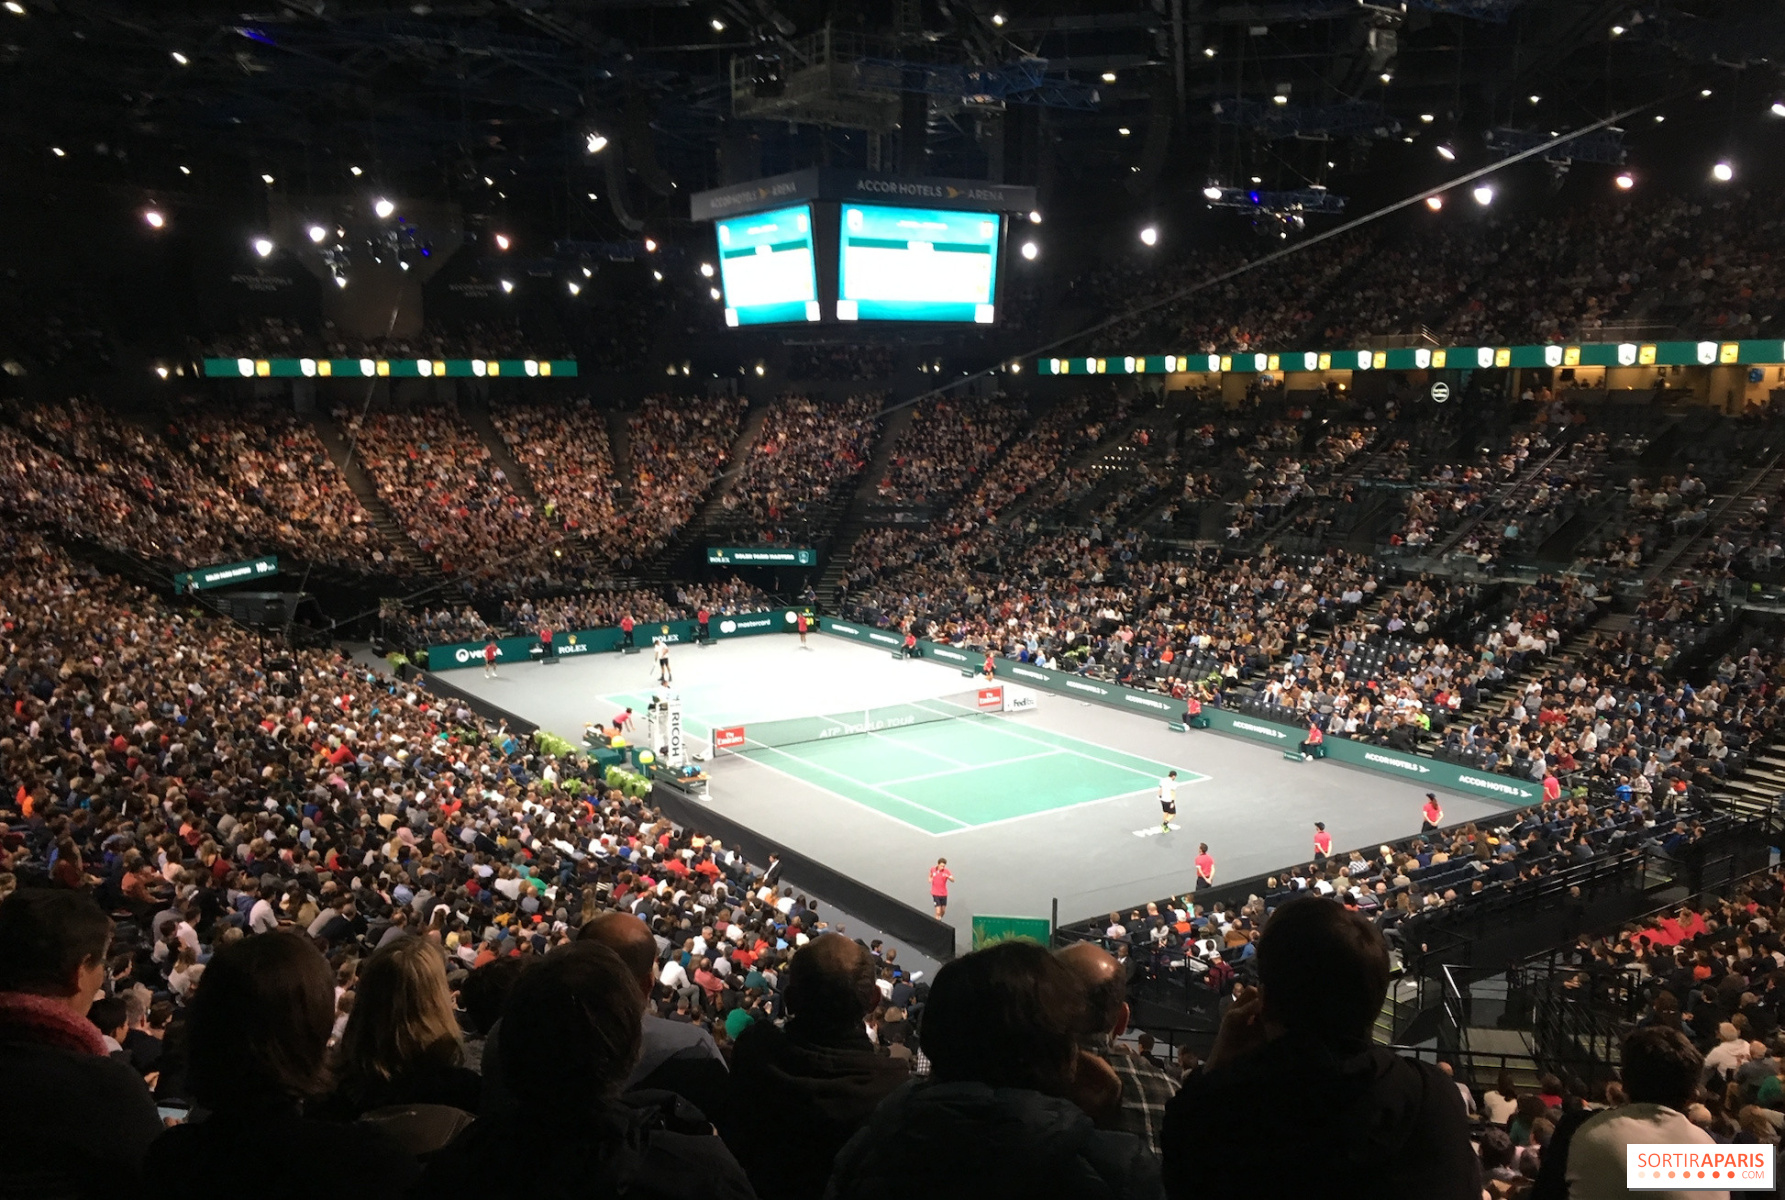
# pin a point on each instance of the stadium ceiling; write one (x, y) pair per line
(476, 99)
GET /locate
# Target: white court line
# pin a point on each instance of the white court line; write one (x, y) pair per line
(920, 750)
(996, 762)
(859, 783)
(1044, 812)
(998, 723)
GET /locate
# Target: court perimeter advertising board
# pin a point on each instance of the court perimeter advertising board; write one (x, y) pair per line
(916, 264)
(762, 556)
(766, 267)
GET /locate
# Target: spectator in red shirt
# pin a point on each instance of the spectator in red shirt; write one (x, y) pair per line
(1323, 842)
(1205, 867)
(1432, 813)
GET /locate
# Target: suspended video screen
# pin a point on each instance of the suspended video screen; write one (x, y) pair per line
(916, 264)
(766, 268)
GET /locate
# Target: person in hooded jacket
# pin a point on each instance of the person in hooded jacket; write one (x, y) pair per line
(820, 1074)
(1294, 1055)
(1003, 1113)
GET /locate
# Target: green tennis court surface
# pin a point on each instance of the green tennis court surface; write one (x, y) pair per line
(949, 776)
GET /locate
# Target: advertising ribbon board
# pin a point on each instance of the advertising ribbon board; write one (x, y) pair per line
(225, 574)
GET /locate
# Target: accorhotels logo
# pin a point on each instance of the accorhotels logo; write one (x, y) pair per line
(1076, 686)
(1493, 785)
(846, 630)
(1147, 702)
(951, 656)
(885, 638)
(1398, 764)
(1266, 730)
(1022, 673)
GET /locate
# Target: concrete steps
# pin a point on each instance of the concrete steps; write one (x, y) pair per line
(478, 419)
(420, 566)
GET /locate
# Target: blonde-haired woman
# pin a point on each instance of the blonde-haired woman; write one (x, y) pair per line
(402, 1044)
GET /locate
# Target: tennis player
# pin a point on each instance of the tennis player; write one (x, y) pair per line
(940, 878)
(804, 625)
(661, 648)
(1168, 801)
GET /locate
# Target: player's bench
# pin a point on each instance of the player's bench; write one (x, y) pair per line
(1296, 753)
(1197, 722)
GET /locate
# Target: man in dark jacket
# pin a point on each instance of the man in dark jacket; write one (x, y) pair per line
(77, 1121)
(820, 1075)
(1333, 1115)
(995, 1121)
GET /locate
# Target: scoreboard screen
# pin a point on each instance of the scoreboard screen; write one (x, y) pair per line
(914, 264)
(766, 267)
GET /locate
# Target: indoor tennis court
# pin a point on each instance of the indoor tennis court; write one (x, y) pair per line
(1055, 803)
(952, 774)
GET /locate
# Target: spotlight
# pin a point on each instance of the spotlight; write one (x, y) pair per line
(317, 233)
(761, 370)
(1211, 192)
(384, 208)
(1534, 98)
(355, 172)
(1109, 77)
(1208, 52)
(1279, 98)
(718, 25)
(1722, 172)
(657, 275)
(340, 281)
(1034, 218)
(161, 371)
(58, 152)
(593, 196)
(267, 179)
(179, 58)
(593, 144)
(1149, 236)
(713, 292)
(1625, 181)
(502, 241)
(1435, 203)
(650, 245)
(263, 247)
(1426, 118)
(998, 18)
(1124, 131)
(15, 8)
(1447, 154)
(507, 287)
(588, 274)
(706, 269)
(1484, 195)
(154, 219)
(1385, 77)
(185, 170)
(1705, 93)
(1030, 250)
(1779, 108)
(575, 287)
(1659, 118)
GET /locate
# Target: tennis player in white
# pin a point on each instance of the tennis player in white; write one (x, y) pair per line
(1168, 801)
(663, 673)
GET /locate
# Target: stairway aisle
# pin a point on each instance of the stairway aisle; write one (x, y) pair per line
(479, 420)
(854, 519)
(691, 534)
(422, 567)
(619, 444)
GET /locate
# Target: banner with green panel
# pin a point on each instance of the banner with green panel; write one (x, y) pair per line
(988, 930)
(1766, 352)
(762, 556)
(225, 574)
(453, 655)
(1427, 771)
(393, 368)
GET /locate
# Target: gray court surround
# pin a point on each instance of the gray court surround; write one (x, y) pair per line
(1256, 810)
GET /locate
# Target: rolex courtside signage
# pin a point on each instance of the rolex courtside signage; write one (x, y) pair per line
(762, 556)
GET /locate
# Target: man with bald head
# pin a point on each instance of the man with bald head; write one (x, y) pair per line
(1146, 1088)
(676, 1056)
(818, 1075)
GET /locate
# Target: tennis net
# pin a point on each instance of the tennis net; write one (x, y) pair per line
(790, 731)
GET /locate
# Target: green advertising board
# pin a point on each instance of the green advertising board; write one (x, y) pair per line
(453, 655)
(395, 368)
(1428, 772)
(988, 931)
(762, 556)
(225, 574)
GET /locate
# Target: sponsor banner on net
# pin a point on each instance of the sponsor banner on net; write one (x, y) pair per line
(728, 739)
(1687, 1167)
